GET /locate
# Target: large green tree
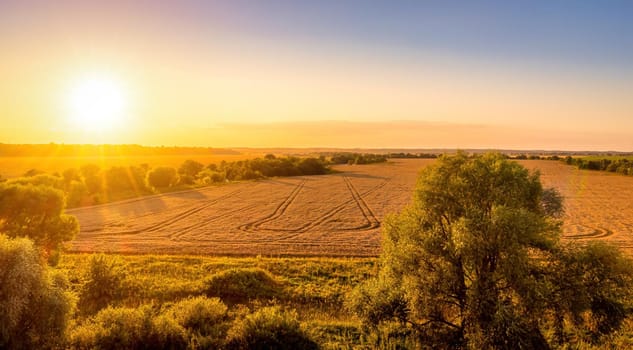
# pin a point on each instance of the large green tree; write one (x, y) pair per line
(476, 262)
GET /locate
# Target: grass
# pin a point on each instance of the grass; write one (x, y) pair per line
(163, 278)
(315, 287)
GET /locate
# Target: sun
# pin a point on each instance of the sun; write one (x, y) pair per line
(97, 103)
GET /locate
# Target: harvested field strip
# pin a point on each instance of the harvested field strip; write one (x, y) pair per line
(172, 220)
(183, 232)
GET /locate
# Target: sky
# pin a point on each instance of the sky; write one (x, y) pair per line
(272, 73)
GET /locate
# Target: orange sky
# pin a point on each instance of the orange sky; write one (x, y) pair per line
(191, 81)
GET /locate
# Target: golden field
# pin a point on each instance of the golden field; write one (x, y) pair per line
(337, 214)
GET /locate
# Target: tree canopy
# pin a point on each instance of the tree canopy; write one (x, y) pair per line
(36, 212)
(476, 261)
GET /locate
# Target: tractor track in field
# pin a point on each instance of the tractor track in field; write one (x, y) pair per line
(279, 211)
(596, 233)
(357, 198)
(177, 236)
(168, 222)
(372, 221)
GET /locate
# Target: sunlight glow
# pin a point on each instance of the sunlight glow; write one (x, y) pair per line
(97, 103)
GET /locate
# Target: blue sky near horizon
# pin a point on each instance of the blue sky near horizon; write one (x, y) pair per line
(497, 63)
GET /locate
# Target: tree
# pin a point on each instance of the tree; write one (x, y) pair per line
(190, 168)
(35, 301)
(162, 177)
(36, 212)
(103, 283)
(93, 178)
(476, 261)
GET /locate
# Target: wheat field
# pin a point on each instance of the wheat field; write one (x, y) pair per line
(332, 215)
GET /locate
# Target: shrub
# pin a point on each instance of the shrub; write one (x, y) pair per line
(103, 283)
(190, 168)
(242, 284)
(34, 301)
(312, 166)
(269, 328)
(128, 328)
(206, 320)
(186, 180)
(162, 177)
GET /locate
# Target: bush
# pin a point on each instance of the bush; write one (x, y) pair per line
(162, 177)
(34, 301)
(129, 328)
(103, 283)
(269, 328)
(240, 285)
(206, 320)
(190, 168)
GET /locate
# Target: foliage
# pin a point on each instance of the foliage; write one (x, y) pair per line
(36, 212)
(591, 287)
(270, 167)
(129, 328)
(413, 155)
(162, 177)
(91, 174)
(190, 168)
(357, 158)
(206, 319)
(120, 179)
(243, 284)
(102, 284)
(475, 261)
(620, 165)
(269, 328)
(90, 184)
(34, 300)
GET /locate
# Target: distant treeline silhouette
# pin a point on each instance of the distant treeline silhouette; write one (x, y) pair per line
(413, 155)
(357, 158)
(63, 150)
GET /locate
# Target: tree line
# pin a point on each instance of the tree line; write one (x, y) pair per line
(357, 158)
(622, 166)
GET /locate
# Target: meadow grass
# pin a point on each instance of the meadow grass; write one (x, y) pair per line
(315, 287)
